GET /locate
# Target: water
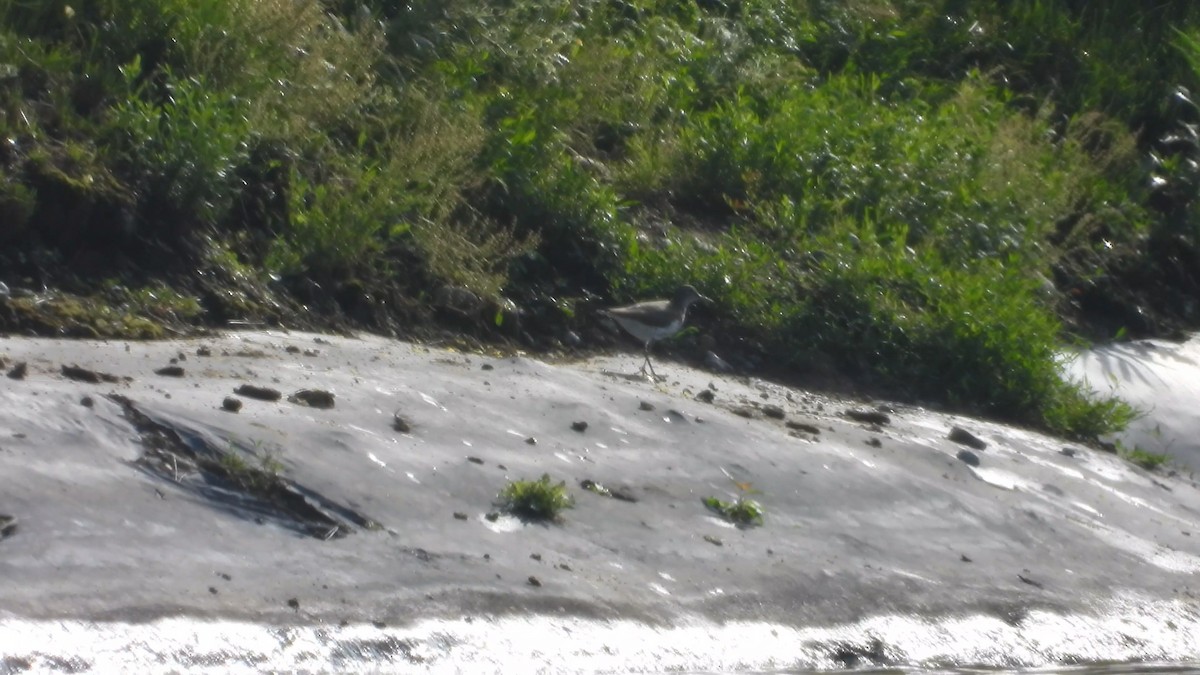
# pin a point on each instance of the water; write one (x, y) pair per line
(1156, 639)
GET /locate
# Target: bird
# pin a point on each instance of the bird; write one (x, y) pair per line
(654, 320)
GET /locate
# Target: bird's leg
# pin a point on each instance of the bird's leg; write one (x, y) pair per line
(646, 363)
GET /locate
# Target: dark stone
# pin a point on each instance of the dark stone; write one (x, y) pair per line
(534, 581)
(313, 398)
(1069, 452)
(170, 371)
(773, 411)
(203, 351)
(474, 460)
(964, 437)
(868, 416)
(399, 423)
(803, 426)
(231, 404)
(257, 392)
(579, 426)
(459, 515)
(645, 405)
(84, 375)
(705, 396)
(968, 457)
(1032, 582)
(87, 402)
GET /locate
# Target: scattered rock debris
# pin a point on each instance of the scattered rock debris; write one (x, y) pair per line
(964, 437)
(313, 398)
(615, 493)
(231, 404)
(256, 392)
(203, 351)
(170, 371)
(579, 426)
(868, 416)
(90, 376)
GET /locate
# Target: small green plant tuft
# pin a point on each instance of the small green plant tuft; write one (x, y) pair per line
(536, 499)
(1144, 458)
(259, 476)
(742, 511)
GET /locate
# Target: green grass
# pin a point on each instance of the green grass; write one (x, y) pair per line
(913, 193)
(1145, 459)
(742, 511)
(538, 499)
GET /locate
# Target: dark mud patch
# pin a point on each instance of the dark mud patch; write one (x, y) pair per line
(250, 489)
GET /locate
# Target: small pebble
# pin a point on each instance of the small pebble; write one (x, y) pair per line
(231, 404)
(579, 426)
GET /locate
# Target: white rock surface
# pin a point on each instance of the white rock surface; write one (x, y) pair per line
(878, 544)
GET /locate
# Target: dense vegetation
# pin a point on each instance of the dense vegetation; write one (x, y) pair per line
(927, 196)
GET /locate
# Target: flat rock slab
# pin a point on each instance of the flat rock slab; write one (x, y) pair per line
(861, 526)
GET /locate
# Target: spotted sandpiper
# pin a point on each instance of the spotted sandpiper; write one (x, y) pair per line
(655, 319)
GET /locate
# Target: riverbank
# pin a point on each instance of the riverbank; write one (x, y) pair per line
(883, 541)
